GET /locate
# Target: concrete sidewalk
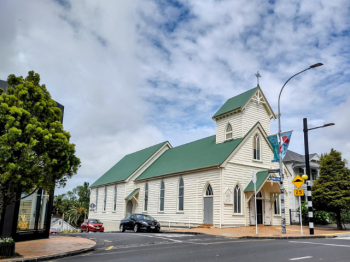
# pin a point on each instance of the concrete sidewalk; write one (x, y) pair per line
(267, 231)
(53, 247)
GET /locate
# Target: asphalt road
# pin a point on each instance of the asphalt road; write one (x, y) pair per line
(152, 247)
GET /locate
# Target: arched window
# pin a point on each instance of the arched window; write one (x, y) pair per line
(96, 197)
(256, 147)
(105, 200)
(237, 200)
(181, 195)
(146, 197)
(229, 132)
(161, 196)
(115, 198)
(209, 191)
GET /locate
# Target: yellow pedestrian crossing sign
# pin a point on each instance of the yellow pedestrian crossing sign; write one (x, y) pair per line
(298, 181)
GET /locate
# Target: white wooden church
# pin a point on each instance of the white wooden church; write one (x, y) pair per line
(207, 181)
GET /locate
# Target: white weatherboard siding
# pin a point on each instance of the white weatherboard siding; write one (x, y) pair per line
(253, 113)
(110, 218)
(130, 185)
(235, 119)
(236, 170)
(239, 169)
(194, 190)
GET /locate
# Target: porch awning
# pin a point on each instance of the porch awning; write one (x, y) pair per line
(261, 177)
(133, 193)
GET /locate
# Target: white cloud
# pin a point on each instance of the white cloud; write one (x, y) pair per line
(135, 73)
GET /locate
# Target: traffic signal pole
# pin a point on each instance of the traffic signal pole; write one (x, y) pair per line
(308, 181)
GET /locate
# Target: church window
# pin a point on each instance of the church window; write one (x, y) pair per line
(229, 132)
(209, 191)
(115, 198)
(105, 200)
(96, 197)
(181, 195)
(256, 147)
(237, 200)
(146, 197)
(276, 204)
(161, 196)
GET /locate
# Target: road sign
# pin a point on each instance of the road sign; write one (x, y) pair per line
(275, 178)
(298, 181)
(92, 205)
(298, 192)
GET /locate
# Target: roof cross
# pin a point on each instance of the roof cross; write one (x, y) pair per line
(257, 76)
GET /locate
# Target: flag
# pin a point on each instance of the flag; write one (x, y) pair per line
(273, 140)
(277, 150)
(285, 137)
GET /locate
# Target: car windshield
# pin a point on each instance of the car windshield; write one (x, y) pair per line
(96, 221)
(145, 217)
(53, 229)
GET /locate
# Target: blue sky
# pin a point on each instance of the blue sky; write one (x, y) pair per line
(135, 73)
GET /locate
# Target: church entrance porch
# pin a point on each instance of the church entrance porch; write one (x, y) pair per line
(267, 201)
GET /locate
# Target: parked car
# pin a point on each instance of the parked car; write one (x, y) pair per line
(53, 231)
(93, 225)
(139, 222)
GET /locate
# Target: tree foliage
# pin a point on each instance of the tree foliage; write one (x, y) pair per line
(331, 191)
(35, 151)
(73, 205)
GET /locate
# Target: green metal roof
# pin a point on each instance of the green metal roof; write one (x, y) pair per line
(127, 165)
(261, 177)
(236, 102)
(134, 192)
(198, 154)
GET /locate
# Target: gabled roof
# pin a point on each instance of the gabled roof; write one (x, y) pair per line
(127, 165)
(134, 192)
(295, 157)
(236, 102)
(198, 154)
(260, 180)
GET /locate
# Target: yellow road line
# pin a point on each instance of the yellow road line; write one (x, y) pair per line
(109, 248)
(237, 241)
(108, 241)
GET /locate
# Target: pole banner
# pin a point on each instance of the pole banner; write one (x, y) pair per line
(285, 137)
(273, 140)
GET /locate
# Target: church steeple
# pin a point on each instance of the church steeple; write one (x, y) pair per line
(241, 113)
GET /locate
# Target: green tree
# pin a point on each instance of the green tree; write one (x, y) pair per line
(77, 212)
(331, 191)
(35, 151)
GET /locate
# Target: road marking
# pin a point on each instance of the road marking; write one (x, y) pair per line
(109, 248)
(136, 250)
(335, 234)
(108, 241)
(319, 244)
(213, 243)
(299, 258)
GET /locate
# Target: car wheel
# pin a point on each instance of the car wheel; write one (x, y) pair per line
(156, 231)
(81, 230)
(87, 230)
(136, 228)
(122, 229)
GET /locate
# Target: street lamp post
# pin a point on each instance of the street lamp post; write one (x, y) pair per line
(283, 217)
(307, 166)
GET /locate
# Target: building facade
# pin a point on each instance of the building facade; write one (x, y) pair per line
(295, 163)
(207, 181)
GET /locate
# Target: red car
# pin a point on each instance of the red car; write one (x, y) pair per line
(53, 231)
(93, 225)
